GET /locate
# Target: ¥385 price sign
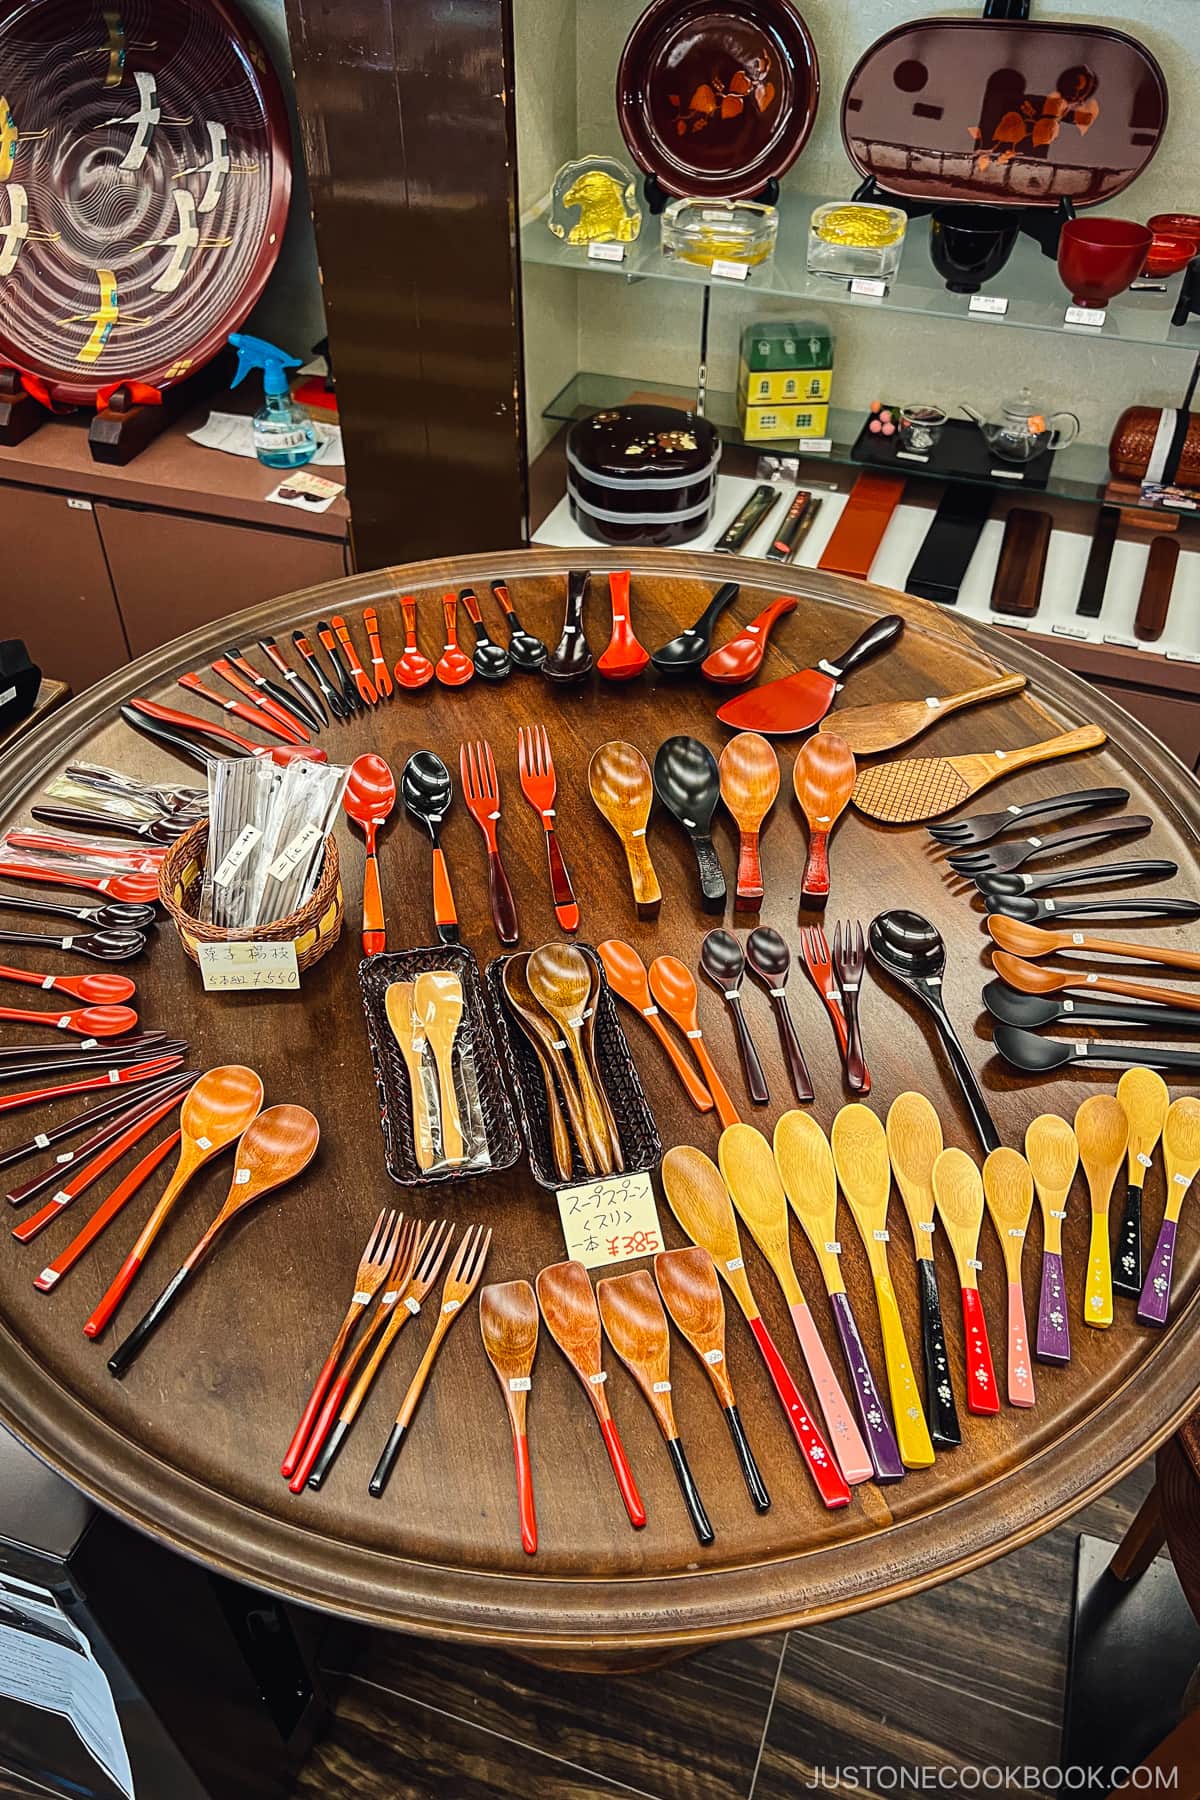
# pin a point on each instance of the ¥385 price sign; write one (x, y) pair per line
(610, 1221)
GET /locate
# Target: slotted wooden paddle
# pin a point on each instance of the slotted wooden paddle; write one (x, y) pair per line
(924, 787)
(1146, 1098)
(914, 1139)
(1053, 1157)
(1181, 1157)
(573, 1320)
(1008, 1191)
(871, 730)
(823, 777)
(1102, 1132)
(958, 1190)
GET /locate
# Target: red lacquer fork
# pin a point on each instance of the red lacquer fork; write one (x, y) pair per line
(481, 791)
(110, 1078)
(539, 787)
(380, 672)
(362, 681)
(814, 949)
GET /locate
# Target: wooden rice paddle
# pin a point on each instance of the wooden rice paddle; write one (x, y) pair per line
(1053, 1157)
(749, 783)
(1008, 1191)
(958, 1190)
(861, 1158)
(573, 1320)
(914, 1138)
(823, 777)
(1102, 1133)
(508, 1322)
(438, 1009)
(1028, 978)
(871, 730)
(924, 787)
(1145, 1096)
(1020, 939)
(410, 1037)
(622, 787)
(697, 1195)
(1181, 1157)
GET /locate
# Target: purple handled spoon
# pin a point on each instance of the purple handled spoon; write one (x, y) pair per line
(1053, 1157)
(1181, 1158)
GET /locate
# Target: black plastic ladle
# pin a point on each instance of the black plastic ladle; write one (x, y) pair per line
(722, 961)
(688, 783)
(913, 952)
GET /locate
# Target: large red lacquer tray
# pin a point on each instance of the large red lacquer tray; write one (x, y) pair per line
(144, 181)
(1005, 113)
(717, 99)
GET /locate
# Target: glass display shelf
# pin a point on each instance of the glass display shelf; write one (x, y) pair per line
(1079, 472)
(1029, 281)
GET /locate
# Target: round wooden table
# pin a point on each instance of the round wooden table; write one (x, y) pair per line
(187, 1447)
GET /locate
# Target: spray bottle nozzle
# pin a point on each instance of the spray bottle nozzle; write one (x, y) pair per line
(256, 353)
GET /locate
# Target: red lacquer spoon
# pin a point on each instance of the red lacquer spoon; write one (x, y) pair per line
(453, 666)
(625, 657)
(369, 798)
(742, 656)
(414, 668)
(120, 887)
(97, 990)
(88, 1021)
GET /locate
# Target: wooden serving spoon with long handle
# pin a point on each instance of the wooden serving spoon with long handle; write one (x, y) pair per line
(409, 1034)
(1008, 1191)
(1145, 1096)
(871, 730)
(860, 1156)
(691, 1293)
(748, 1168)
(958, 1190)
(1102, 1133)
(508, 1324)
(697, 1195)
(620, 783)
(573, 1320)
(1020, 939)
(1028, 978)
(914, 1138)
(637, 1329)
(627, 978)
(1181, 1157)
(560, 980)
(438, 1005)
(274, 1148)
(749, 783)
(673, 987)
(805, 1164)
(544, 1041)
(823, 777)
(217, 1111)
(1053, 1157)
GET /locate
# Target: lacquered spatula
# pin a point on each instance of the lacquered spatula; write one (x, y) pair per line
(871, 730)
(1008, 1191)
(740, 659)
(1145, 1096)
(573, 1320)
(823, 777)
(627, 978)
(274, 1148)
(697, 1195)
(749, 771)
(924, 787)
(672, 985)
(1102, 1133)
(914, 1138)
(1181, 1159)
(622, 788)
(637, 1329)
(800, 701)
(508, 1324)
(748, 1168)
(860, 1156)
(958, 1190)
(691, 1294)
(1053, 1157)
(805, 1164)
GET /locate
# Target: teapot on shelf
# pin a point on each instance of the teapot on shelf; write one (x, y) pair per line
(1021, 432)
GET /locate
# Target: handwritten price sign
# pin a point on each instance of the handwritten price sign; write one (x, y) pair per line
(610, 1221)
(238, 967)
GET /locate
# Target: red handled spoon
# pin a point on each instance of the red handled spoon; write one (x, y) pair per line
(88, 1021)
(97, 990)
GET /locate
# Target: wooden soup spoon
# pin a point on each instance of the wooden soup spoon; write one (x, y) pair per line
(622, 787)
(1053, 1157)
(805, 1164)
(958, 1190)
(823, 777)
(545, 1043)
(861, 1158)
(627, 978)
(749, 783)
(691, 1294)
(573, 1320)
(914, 1139)
(508, 1323)
(95, 990)
(274, 1148)
(1020, 939)
(1181, 1157)
(697, 1195)
(560, 980)
(1008, 1191)
(748, 1168)
(437, 1003)
(1102, 1133)
(672, 985)
(410, 1037)
(1146, 1098)
(637, 1329)
(217, 1111)
(1028, 978)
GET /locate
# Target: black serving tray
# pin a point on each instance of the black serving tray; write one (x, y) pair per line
(959, 454)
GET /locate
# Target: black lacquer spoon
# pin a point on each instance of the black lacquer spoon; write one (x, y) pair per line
(684, 654)
(688, 783)
(722, 961)
(1029, 1011)
(1036, 1055)
(126, 915)
(571, 659)
(427, 791)
(105, 946)
(527, 652)
(492, 661)
(769, 961)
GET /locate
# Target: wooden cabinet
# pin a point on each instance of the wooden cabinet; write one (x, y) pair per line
(57, 593)
(173, 572)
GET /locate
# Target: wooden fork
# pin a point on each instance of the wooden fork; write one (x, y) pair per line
(459, 1285)
(374, 1265)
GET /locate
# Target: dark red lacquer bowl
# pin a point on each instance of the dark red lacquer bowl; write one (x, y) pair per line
(1169, 252)
(145, 172)
(717, 99)
(1098, 258)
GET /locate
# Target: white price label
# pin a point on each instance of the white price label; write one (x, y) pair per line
(868, 288)
(613, 253)
(236, 855)
(994, 304)
(1091, 316)
(725, 270)
(237, 968)
(293, 855)
(610, 1221)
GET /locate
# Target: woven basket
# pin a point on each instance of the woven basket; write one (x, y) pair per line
(314, 928)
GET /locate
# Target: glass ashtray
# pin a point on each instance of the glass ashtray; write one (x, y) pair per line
(856, 239)
(708, 231)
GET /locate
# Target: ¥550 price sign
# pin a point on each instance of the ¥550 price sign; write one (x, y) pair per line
(610, 1221)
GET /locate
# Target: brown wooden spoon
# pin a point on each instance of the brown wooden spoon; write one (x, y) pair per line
(1028, 978)
(438, 1005)
(508, 1322)
(1020, 939)
(622, 787)
(823, 777)
(749, 783)
(573, 1321)
(410, 1038)
(545, 1042)
(560, 980)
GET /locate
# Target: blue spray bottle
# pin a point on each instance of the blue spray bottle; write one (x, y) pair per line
(284, 435)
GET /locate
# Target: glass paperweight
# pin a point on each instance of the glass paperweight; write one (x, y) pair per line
(707, 231)
(594, 202)
(851, 239)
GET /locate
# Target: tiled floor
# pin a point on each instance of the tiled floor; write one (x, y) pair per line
(968, 1675)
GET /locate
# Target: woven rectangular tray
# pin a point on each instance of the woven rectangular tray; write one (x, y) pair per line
(375, 975)
(641, 1145)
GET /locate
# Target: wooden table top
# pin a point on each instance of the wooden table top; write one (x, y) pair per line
(188, 1445)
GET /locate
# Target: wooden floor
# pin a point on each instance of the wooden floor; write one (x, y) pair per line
(968, 1675)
